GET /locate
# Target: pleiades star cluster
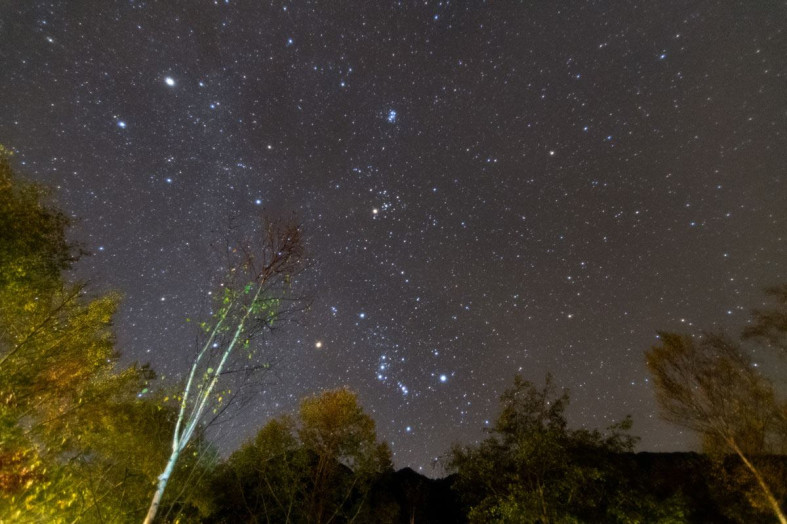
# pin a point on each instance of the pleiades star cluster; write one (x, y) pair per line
(487, 188)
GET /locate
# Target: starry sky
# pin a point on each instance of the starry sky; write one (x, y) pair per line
(486, 187)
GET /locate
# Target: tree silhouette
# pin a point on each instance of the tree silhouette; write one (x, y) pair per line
(316, 466)
(534, 468)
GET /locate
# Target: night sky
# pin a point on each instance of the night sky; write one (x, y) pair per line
(486, 188)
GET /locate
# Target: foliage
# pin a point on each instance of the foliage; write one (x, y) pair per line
(709, 385)
(335, 430)
(248, 305)
(317, 467)
(76, 439)
(533, 468)
(33, 246)
(83, 439)
(263, 479)
(770, 325)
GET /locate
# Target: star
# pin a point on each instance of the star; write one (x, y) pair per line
(440, 141)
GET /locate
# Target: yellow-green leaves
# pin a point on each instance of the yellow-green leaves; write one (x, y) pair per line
(71, 425)
(296, 468)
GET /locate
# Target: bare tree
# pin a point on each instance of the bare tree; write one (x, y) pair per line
(710, 386)
(255, 295)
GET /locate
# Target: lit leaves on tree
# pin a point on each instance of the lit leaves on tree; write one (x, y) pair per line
(255, 295)
(709, 385)
(69, 419)
(317, 467)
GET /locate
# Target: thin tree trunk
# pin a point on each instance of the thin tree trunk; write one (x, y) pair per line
(761, 481)
(162, 485)
(180, 440)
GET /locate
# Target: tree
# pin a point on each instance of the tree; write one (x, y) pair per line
(263, 480)
(710, 386)
(33, 252)
(33, 246)
(70, 419)
(318, 466)
(533, 468)
(334, 428)
(770, 325)
(253, 298)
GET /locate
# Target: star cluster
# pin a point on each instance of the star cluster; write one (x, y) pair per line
(487, 188)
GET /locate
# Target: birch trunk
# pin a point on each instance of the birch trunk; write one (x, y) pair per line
(162, 485)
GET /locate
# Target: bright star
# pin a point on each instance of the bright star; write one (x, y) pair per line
(443, 378)
(318, 344)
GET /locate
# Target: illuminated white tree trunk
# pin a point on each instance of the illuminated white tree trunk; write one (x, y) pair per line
(246, 308)
(766, 490)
